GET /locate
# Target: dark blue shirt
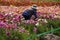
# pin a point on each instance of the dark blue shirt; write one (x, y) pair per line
(30, 13)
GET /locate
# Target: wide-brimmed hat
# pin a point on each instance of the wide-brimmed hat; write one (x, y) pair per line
(34, 7)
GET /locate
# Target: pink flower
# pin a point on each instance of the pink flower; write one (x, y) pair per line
(35, 29)
(47, 16)
(52, 16)
(32, 22)
(2, 24)
(22, 30)
(7, 15)
(11, 26)
(7, 33)
(16, 19)
(27, 21)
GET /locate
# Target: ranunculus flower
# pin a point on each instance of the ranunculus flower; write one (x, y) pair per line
(11, 26)
(7, 15)
(2, 24)
(27, 21)
(35, 29)
(16, 18)
(47, 16)
(14, 25)
(22, 30)
(51, 15)
(7, 33)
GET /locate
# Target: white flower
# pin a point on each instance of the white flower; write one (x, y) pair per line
(44, 20)
(10, 13)
(39, 19)
(12, 21)
(55, 16)
(22, 18)
(37, 24)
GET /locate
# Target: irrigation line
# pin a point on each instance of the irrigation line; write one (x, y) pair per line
(43, 33)
(48, 32)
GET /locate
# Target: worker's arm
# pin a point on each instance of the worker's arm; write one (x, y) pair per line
(35, 14)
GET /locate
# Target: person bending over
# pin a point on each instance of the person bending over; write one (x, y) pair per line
(27, 14)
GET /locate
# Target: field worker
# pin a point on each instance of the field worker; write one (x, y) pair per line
(27, 14)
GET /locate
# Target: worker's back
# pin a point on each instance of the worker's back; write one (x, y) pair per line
(28, 12)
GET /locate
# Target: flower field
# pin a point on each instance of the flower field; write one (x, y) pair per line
(50, 9)
(14, 27)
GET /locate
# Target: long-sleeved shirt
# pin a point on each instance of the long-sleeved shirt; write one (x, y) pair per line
(30, 13)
